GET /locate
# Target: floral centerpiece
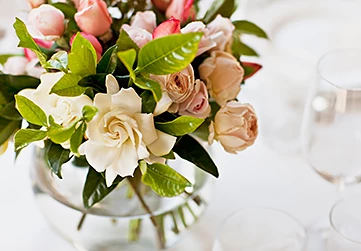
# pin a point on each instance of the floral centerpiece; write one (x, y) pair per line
(123, 86)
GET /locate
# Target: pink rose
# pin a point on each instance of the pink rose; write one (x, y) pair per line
(145, 20)
(93, 40)
(15, 65)
(93, 17)
(235, 127)
(197, 104)
(161, 5)
(171, 26)
(138, 35)
(46, 21)
(36, 3)
(182, 10)
(30, 55)
(206, 43)
(221, 31)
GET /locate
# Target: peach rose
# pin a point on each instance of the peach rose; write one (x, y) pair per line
(93, 17)
(93, 40)
(46, 21)
(179, 86)
(182, 10)
(197, 104)
(36, 3)
(138, 35)
(145, 20)
(221, 30)
(223, 75)
(235, 127)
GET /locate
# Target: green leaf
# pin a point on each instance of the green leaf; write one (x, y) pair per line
(59, 61)
(108, 63)
(26, 136)
(148, 102)
(170, 155)
(189, 149)
(125, 42)
(68, 10)
(56, 156)
(11, 85)
(180, 126)
(83, 57)
(150, 85)
(8, 111)
(169, 54)
(59, 134)
(5, 57)
(225, 8)
(95, 188)
(30, 111)
(77, 138)
(128, 58)
(89, 112)
(7, 128)
(96, 82)
(163, 179)
(240, 48)
(68, 86)
(26, 41)
(250, 69)
(246, 27)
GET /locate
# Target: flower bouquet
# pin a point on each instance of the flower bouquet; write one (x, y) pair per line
(125, 86)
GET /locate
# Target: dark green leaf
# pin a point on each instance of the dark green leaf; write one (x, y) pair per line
(8, 111)
(89, 112)
(11, 85)
(240, 48)
(225, 8)
(150, 85)
(125, 42)
(169, 155)
(148, 102)
(169, 54)
(128, 58)
(56, 156)
(180, 126)
(68, 10)
(246, 27)
(7, 129)
(26, 41)
(77, 138)
(95, 188)
(189, 149)
(68, 86)
(250, 69)
(30, 111)
(163, 179)
(24, 137)
(108, 63)
(96, 82)
(59, 61)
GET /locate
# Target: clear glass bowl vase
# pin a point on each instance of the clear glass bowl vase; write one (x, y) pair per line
(118, 222)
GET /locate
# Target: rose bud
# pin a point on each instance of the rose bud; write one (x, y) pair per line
(161, 5)
(171, 26)
(145, 20)
(35, 3)
(221, 30)
(30, 55)
(15, 65)
(138, 35)
(93, 40)
(182, 10)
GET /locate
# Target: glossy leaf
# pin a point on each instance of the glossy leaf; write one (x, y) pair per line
(89, 112)
(59, 61)
(8, 111)
(67, 9)
(30, 111)
(180, 126)
(24, 137)
(163, 179)
(7, 129)
(239, 48)
(225, 8)
(169, 54)
(108, 63)
(149, 85)
(11, 85)
(246, 27)
(77, 138)
(96, 82)
(95, 188)
(125, 42)
(148, 102)
(189, 149)
(26, 41)
(56, 156)
(128, 58)
(68, 86)
(59, 134)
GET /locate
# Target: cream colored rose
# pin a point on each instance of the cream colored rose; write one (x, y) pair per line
(235, 127)
(120, 134)
(145, 20)
(221, 31)
(197, 104)
(223, 75)
(179, 86)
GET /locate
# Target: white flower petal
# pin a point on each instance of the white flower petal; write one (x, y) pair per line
(48, 80)
(110, 175)
(102, 102)
(146, 127)
(127, 100)
(128, 160)
(112, 84)
(163, 145)
(100, 157)
(164, 103)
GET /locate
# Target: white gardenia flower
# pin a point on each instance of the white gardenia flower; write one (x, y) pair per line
(120, 134)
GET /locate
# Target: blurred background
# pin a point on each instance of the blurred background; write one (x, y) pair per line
(273, 173)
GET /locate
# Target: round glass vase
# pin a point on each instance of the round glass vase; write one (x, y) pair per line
(118, 222)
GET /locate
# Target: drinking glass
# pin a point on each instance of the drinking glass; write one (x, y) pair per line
(331, 131)
(260, 229)
(345, 219)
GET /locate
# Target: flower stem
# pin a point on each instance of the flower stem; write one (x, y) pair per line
(80, 224)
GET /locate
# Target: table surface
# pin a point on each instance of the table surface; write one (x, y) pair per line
(259, 176)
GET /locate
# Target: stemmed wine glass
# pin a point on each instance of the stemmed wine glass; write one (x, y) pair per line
(331, 130)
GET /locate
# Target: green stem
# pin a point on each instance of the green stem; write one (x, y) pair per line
(134, 229)
(81, 222)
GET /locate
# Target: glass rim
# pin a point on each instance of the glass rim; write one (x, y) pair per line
(333, 224)
(270, 209)
(329, 53)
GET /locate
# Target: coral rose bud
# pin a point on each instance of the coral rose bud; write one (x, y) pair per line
(182, 10)
(171, 26)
